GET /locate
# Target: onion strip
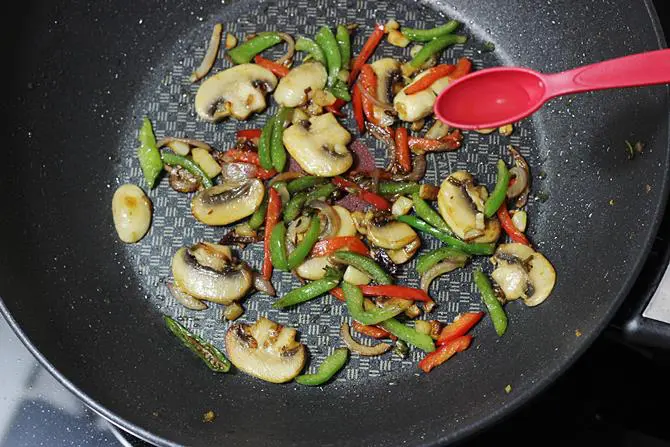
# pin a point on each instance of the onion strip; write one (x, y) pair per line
(210, 55)
(382, 105)
(287, 58)
(185, 299)
(437, 270)
(263, 285)
(332, 226)
(191, 142)
(355, 346)
(522, 164)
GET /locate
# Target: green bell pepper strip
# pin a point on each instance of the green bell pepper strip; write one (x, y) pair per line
(245, 52)
(277, 149)
(296, 203)
(148, 154)
(278, 247)
(409, 335)
(330, 366)
(304, 247)
(454, 242)
(354, 300)
(341, 90)
(435, 46)
(426, 35)
(496, 311)
(428, 260)
(344, 43)
(427, 213)
(310, 47)
(499, 193)
(303, 183)
(310, 290)
(365, 264)
(264, 155)
(172, 159)
(326, 40)
(209, 353)
(393, 188)
(258, 218)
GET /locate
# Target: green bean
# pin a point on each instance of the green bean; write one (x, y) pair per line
(393, 188)
(330, 366)
(326, 40)
(427, 213)
(365, 264)
(427, 260)
(344, 43)
(341, 90)
(311, 48)
(354, 299)
(473, 249)
(296, 203)
(499, 193)
(210, 354)
(278, 246)
(310, 290)
(277, 149)
(148, 154)
(264, 154)
(435, 46)
(496, 311)
(301, 251)
(426, 35)
(258, 218)
(409, 335)
(245, 52)
(172, 159)
(303, 183)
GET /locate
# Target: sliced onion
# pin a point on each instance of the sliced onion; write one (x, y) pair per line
(437, 270)
(332, 224)
(210, 55)
(290, 51)
(190, 141)
(521, 183)
(373, 99)
(437, 130)
(238, 171)
(296, 227)
(285, 177)
(418, 170)
(263, 285)
(364, 350)
(522, 172)
(283, 192)
(185, 299)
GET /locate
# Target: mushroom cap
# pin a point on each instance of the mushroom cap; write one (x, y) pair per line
(228, 202)
(292, 89)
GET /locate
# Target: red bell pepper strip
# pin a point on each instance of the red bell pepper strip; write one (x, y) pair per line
(236, 155)
(459, 327)
(507, 224)
(336, 107)
(368, 49)
(403, 156)
(449, 142)
(371, 331)
(329, 246)
(271, 219)
(402, 292)
(357, 105)
(432, 75)
(278, 69)
(463, 67)
(249, 134)
(373, 199)
(445, 352)
(454, 139)
(369, 83)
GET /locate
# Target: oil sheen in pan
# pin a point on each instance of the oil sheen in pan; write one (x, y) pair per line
(167, 97)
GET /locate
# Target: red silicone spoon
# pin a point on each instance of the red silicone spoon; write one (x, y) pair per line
(503, 95)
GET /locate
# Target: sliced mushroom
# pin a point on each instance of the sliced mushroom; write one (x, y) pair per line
(182, 180)
(460, 202)
(223, 285)
(521, 272)
(385, 232)
(228, 202)
(347, 225)
(131, 211)
(414, 107)
(215, 256)
(404, 254)
(266, 350)
(389, 78)
(313, 268)
(320, 146)
(238, 92)
(292, 89)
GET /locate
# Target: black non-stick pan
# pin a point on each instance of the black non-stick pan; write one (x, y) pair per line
(81, 74)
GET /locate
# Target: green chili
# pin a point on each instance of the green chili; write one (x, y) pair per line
(209, 354)
(341, 90)
(354, 298)
(311, 290)
(428, 260)
(499, 193)
(245, 52)
(367, 265)
(393, 188)
(296, 203)
(278, 246)
(496, 311)
(301, 251)
(264, 155)
(427, 213)
(277, 149)
(426, 35)
(326, 40)
(172, 159)
(435, 46)
(409, 335)
(148, 154)
(311, 48)
(330, 366)
(303, 183)
(473, 249)
(344, 43)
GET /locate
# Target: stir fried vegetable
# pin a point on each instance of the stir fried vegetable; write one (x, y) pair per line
(496, 311)
(330, 366)
(148, 154)
(210, 354)
(310, 291)
(364, 264)
(435, 46)
(177, 160)
(311, 48)
(331, 50)
(246, 51)
(426, 35)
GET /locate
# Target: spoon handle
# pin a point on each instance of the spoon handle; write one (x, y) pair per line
(640, 69)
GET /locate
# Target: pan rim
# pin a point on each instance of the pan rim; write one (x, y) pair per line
(479, 425)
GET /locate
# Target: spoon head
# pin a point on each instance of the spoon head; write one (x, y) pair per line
(491, 98)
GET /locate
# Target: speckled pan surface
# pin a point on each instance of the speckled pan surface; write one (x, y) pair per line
(91, 306)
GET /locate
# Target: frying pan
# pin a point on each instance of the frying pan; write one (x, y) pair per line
(82, 75)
